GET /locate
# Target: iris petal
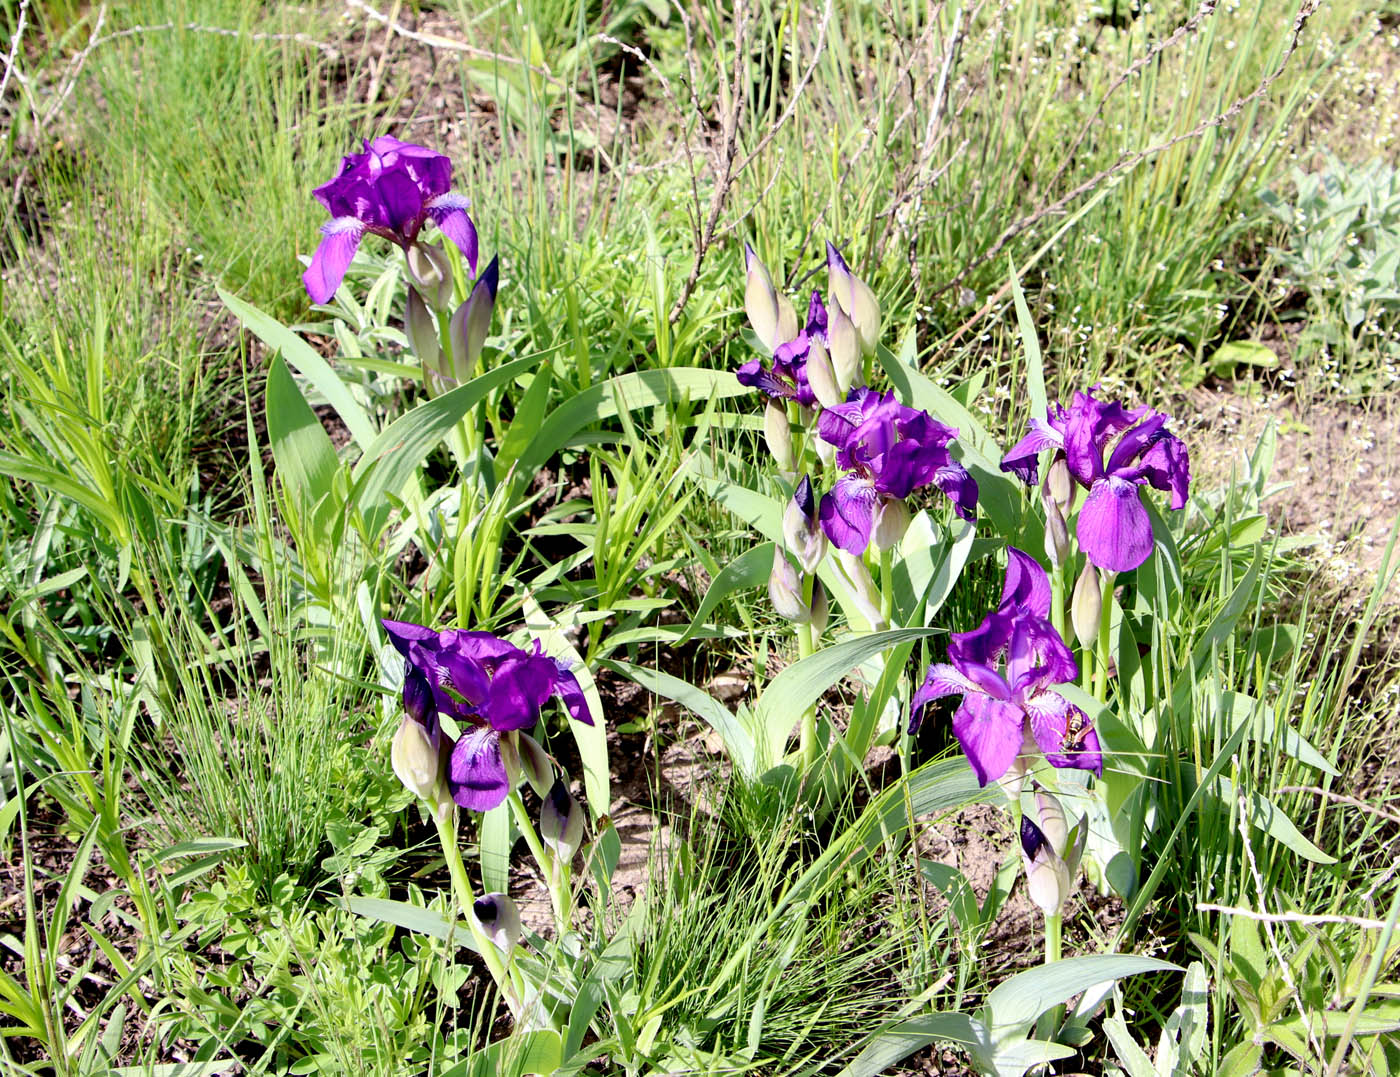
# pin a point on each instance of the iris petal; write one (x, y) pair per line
(1114, 530)
(476, 775)
(990, 733)
(449, 213)
(340, 239)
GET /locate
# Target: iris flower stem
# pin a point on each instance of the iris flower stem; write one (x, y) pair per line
(1057, 603)
(887, 585)
(1050, 1020)
(806, 647)
(1102, 641)
(462, 891)
(559, 896)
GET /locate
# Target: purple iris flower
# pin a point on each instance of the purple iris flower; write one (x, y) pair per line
(888, 452)
(389, 190)
(1111, 452)
(491, 688)
(785, 378)
(1005, 670)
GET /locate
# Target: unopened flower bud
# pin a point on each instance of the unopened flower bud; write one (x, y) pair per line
(1047, 877)
(499, 920)
(772, 316)
(431, 272)
(1058, 484)
(844, 346)
(802, 534)
(420, 327)
(1056, 534)
(867, 598)
(471, 322)
(1051, 852)
(418, 701)
(821, 608)
(415, 759)
(785, 590)
(561, 822)
(1086, 606)
(821, 376)
(891, 521)
(854, 297)
(535, 764)
(778, 434)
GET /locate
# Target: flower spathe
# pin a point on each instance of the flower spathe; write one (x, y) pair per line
(390, 190)
(1112, 452)
(887, 451)
(1005, 670)
(491, 688)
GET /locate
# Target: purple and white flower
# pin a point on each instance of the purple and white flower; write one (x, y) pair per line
(888, 451)
(1111, 452)
(390, 190)
(491, 688)
(784, 377)
(1005, 671)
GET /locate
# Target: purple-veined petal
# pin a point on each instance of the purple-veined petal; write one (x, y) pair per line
(959, 487)
(940, 680)
(847, 514)
(990, 733)
(1134, 443)
(465, 676)
(449, 212)
(1023, 459)
(1167, 466)
(1026, 585)
(1051, 717)
(340, 239)
(401, 203)
(1037, 656)
(1114, 530)
(567, 688)
(476, 776)
(985, 644)
(403, 634)
(519, 687)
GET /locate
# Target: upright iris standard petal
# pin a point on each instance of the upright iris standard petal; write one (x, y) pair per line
(1026, 584)
(889, 451)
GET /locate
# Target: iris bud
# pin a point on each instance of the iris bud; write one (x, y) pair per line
(431, 272)
(891, 521)
(778, 435)
(785, 590)
(561, 822)
(1086, 606)
(821, 376)
(420, 327)
(1058, 485)
(418, 699)
(844, 344)
(772, 316)
(1056, 534)
(534, 763)
(499, 920)
(863, 590)
(855, 298)
(471, 321)
(415, 759)
(1050, 852)
(801, 532)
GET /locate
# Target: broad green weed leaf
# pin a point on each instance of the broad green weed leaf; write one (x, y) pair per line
(517, 1055)
(750, 569)
(308, 363)
(801, 684)
(1030, 345)
(738, 741)
(411, 918)
(306, 459)
(641, 389)
(1015, 1004)
(398, 451)
(896, 1043)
